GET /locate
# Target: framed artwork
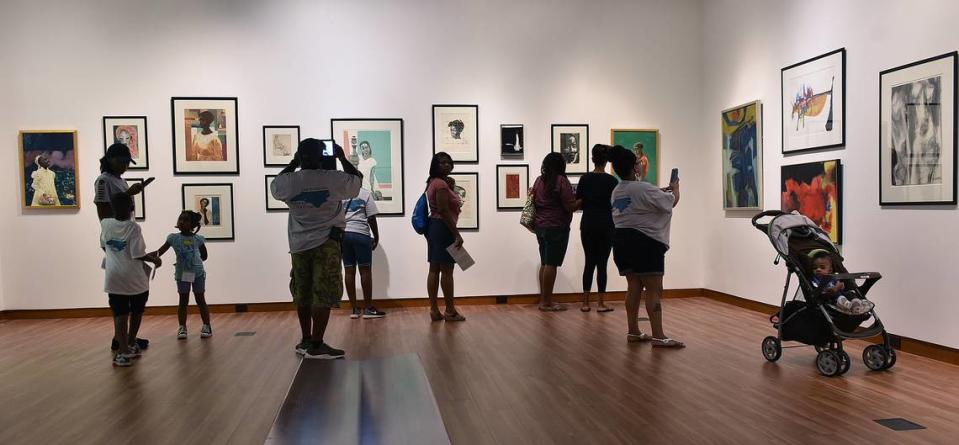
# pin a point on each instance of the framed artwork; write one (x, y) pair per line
(132, 132)
(456, 131)
(572, 141)
(917, 132)
(48, 169)
(467, 186)
(273, 204)
(645, 143)
(375, 147)
(512, 186)
(815, 190)
(814, 103)
(214, 203)
(743, 157)
(205, 137)
(139, 200)
(511, 141)
(279, 144)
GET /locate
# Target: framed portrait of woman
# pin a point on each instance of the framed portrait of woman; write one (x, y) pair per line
(205, 136)
(214, 203)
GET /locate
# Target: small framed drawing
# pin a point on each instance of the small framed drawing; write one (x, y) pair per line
(205, 137)
(279, 144)
(456, 131)
(512, 186)
(48, 169)
(813, 96)
(814, 189)
(214, 203)
(132, 132)
(917, 132)
(139, 200)
(645, 144)
(572, 141)
(273, 204)
(511, 141)
(742, 156)
(375, 147)
(467, 187)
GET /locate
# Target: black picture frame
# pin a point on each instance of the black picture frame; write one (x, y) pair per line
(475, 176)
(782, 92)
(476, 150)
(839, 190)
(883, 202)
(503, 143)
(140, 210)
(402, 195)
(173, 124)
(266, 128)
(267, 196)
(183, 193)
(584, 147)
(523, 192)
(142, 143)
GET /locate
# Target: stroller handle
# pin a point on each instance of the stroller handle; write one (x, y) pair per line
(768, 213)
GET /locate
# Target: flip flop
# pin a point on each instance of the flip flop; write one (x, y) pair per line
(435, 316)
(605, 309)
(454, 317)
(640, 337)
(585, 309)
(667, 343)
(553, 308)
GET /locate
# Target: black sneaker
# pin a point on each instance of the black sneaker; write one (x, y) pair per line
(324, 351)
(141, 342)
(302, 346)
(372, 312)
(356, 313)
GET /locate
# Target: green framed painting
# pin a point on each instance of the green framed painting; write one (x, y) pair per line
(645, 143)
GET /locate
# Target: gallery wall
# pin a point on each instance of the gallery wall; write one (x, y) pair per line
(746, 43)
(615, 63)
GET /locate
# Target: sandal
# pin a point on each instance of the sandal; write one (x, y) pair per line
(667, 343)
(553, 308)
(605, 309)
(640, 337)
(436, 316)
(585, 309)
(455, 316)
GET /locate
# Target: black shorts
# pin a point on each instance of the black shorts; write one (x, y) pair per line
(553, 242)
(636, 253)
(126, 304)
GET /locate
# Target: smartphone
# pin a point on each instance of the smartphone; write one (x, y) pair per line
(674, 176)
(328, 150)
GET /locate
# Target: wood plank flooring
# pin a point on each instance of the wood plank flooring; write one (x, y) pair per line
(510, 374)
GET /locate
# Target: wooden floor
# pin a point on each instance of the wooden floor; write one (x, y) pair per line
(508, 375)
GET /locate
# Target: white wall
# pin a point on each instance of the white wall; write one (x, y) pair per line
(746, 43)
(616, 63)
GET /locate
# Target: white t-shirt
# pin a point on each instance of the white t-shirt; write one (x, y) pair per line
(643, 206)
(358, 210)
(107, 185)
(315, 198)
(123, 241)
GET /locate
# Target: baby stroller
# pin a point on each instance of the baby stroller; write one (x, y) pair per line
(813, 320)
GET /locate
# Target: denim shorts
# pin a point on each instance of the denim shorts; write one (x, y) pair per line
(198, 285)
(553, 242)
(438, 239)
(357, 250)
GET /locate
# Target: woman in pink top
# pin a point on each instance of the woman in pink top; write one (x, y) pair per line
(555, 203)
(445, 206)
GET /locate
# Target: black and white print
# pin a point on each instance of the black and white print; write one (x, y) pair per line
(511, 141)
(916, 132)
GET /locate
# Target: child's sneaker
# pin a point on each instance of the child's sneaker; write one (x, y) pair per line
(302, 347)
(372, 312)
(356, 313)
(122, 361)
(324, 351)
(134, 351)
(181, 333)
(206, 331)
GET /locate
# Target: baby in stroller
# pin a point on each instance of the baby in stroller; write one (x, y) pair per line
(823, 278)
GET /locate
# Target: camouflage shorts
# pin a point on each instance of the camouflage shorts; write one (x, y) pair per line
(317, 277)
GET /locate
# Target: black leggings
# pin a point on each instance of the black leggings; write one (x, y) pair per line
(596, 246)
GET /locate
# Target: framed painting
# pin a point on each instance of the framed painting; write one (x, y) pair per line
(132, 132)
(205, 136)
(511, 141)
(273, 204)
(743, 156)
(917, 132)
(48, 169)
(572, 141)
(645, 144)
(456, 131)
(467, 187)
(214, 203)
(279, 144)
(375, 147)
(139, 200)
(512, 186)
(814, 103)
(814, 189)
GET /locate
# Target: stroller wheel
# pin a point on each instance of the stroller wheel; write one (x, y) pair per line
(846, 362)
(829, 363)
(876, 357)
(891, 360)
(772, 348)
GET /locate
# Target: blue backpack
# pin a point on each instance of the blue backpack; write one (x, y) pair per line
(421, 215)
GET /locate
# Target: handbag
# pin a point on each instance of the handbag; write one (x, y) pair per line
(528, 216)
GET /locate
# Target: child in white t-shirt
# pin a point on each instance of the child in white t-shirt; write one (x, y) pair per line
(127, 280)
(360, 240)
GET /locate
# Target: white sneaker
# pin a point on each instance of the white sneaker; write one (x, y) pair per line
(206, 331)
(181, 333)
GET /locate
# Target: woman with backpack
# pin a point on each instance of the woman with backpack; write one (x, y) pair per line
(441, 233)
(555, 203)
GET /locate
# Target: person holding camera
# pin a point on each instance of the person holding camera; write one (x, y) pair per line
(314, 190)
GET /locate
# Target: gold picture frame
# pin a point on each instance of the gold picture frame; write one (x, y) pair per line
(60, 177)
